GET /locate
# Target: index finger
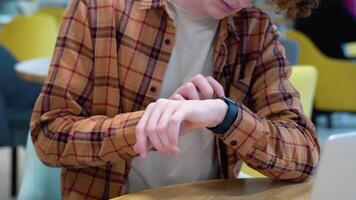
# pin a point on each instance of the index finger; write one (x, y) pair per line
(174, 126)
(201, 83)
(217, 87)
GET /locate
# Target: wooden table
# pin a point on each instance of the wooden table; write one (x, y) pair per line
(251, 189)
(35, 70)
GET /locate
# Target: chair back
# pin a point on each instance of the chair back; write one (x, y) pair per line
(6, 138)
(17, 98)
(336, 86)
(17, 93)
(310, 53)
(28, 37)
(55, 12)
(304, 79)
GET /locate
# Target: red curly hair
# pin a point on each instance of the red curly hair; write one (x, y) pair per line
(294, 8)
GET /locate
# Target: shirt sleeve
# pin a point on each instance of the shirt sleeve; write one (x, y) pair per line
(63, 129)
(272, 134)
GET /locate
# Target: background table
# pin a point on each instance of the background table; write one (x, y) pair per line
(241, 189)
(35, 70)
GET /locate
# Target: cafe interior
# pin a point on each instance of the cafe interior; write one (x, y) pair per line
(320, 48)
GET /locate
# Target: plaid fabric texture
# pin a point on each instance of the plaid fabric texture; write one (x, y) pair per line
(108, 65)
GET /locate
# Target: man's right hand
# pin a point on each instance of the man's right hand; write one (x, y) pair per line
(199, 88)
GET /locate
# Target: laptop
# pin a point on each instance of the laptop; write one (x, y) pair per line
(336, 175)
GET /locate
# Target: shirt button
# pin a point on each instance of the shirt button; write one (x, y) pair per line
(167, 41)
(153, 89)
(233, 143)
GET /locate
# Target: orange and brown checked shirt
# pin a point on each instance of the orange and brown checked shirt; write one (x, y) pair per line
(108, 65)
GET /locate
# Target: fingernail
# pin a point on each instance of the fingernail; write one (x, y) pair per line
(176, 150)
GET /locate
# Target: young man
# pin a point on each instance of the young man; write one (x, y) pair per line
(98, 110)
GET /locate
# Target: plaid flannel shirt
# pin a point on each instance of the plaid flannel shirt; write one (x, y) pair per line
(108, 65)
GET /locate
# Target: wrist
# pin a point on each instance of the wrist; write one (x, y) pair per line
(220, 112)
(230, 117)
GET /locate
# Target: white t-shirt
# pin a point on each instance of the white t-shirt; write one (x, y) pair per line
(191, 55)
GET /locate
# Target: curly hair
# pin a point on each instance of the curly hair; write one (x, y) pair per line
(294, 8)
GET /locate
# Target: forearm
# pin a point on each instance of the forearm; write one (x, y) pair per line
(283, 147)
(65, 139)
(272, 134)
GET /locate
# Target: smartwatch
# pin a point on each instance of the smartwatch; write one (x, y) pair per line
(229, 119)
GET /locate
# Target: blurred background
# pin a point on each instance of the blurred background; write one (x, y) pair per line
(321, 49)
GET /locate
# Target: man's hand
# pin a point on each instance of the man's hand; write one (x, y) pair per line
(199, 88)
(165, 120)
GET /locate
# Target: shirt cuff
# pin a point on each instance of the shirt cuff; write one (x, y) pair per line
(245, 132)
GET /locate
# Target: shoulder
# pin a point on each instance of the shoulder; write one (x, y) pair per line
(96, 6)
(252, 21)
(254, 26)
(100, 2)
(99, 13)
(252, 16)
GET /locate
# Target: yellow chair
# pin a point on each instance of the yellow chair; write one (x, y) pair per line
(55, 12)
(304, 79)
(336, 86)
(30, 37)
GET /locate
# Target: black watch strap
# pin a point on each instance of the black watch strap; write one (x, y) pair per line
(229, 119)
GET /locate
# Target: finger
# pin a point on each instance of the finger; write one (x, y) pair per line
(151, 125)
(202, 84)
(275, 27)
(163, 129)
(174, 125)
(178, 97)
(141, 138)
(156, 142)
(188, 91)
(217, 87)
